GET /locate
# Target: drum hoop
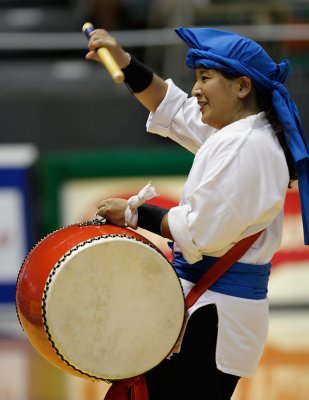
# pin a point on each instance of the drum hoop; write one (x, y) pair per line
(95, 222)
(50, 279)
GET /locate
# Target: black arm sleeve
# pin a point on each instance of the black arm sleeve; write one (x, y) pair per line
(137, 76)
(150, 217)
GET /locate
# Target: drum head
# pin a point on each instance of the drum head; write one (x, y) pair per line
(113, 307)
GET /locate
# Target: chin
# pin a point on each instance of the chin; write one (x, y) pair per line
(211, 123)
(207, 122)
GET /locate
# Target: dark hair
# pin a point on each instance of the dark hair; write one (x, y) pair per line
(264, 103)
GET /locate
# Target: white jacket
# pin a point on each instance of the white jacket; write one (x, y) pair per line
(236, 187)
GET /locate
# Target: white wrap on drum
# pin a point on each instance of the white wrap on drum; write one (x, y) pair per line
(131, 213)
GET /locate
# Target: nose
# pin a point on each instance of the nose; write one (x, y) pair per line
(196, 90)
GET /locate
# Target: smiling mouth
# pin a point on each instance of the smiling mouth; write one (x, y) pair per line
(202, 106)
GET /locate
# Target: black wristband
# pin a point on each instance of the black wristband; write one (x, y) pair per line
(137, 76)
(150, 217)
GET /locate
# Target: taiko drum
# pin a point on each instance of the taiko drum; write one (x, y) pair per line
(99, 301)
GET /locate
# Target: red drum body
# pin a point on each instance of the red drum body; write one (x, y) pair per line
(99, 301)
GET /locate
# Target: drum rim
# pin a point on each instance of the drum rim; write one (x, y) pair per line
(50, 279)
(94, 222)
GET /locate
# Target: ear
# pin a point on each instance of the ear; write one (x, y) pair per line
(245, 86)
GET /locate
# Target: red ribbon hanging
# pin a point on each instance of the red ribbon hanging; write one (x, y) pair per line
(120, 389)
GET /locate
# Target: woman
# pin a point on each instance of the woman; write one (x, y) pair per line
(244, 130)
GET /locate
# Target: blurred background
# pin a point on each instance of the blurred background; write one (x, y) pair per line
(70, 136)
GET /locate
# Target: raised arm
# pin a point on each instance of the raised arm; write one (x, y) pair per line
(148, 88)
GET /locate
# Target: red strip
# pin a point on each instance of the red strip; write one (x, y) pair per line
(218, 269)
(120, 389)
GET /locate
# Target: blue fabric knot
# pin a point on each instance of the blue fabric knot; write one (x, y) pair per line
(281, 71)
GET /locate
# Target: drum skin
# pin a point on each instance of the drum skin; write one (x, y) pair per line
(34, 274)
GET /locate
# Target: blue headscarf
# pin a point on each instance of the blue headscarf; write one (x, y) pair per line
(240, 56)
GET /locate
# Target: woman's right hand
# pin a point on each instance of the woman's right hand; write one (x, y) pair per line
(153, 95)
(101, 38)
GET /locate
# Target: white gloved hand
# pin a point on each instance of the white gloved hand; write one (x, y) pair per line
(131, 213)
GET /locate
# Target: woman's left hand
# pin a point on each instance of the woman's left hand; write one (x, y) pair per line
(113, 210)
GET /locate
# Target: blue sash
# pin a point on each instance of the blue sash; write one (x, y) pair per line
(248, 281)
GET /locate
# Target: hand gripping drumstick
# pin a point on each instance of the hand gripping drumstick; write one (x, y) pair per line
(105, 56)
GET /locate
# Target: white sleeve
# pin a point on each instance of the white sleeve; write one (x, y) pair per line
(178, 117)
(241, 190)
(204, 227)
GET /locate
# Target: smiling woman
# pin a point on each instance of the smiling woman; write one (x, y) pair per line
(246, 134)
(215, 92)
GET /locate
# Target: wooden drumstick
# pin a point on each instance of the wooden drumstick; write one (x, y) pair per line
(105, 56)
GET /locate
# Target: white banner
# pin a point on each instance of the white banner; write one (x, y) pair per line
(12, 233)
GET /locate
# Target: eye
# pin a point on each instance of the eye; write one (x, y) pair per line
(204, 78)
